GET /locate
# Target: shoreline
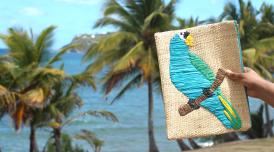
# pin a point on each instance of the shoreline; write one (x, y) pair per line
(255, 145)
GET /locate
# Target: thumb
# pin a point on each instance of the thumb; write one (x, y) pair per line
(234, 75)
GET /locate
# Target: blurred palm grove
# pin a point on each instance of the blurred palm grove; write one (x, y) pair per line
(37, 94)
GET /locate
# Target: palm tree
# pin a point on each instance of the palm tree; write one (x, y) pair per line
(246, 18)
(46, 95)
(251, 29)
(91, 139)
(259, 56)
(63, 102)
(188, 23)
(262, 62)
(86, 135)
(67, 145)
(27, 76)
(130, 52)
(259, 128)
(256, 38)
(182, 145)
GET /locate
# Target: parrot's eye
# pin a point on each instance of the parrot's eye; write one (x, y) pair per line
(181, 34)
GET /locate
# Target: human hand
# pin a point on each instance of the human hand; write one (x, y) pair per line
(256, 86)
(250, 79)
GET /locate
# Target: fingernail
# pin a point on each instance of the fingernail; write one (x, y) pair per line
(228, 71)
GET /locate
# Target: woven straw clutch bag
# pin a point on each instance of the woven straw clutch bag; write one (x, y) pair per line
(199, 100)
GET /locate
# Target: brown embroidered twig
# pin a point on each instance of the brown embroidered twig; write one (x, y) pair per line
(195, 104)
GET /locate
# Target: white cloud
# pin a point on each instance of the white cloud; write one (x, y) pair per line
(88, 2)
(31, 11)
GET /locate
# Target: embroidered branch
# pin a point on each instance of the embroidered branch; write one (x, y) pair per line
(193, 104)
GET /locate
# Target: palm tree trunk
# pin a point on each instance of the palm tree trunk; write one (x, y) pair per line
(269, 130)
(57, 139)
(182, 145)
(230, 137)
(47, 143)
(98, 149)
(152, 144)
(32, 138)
(193, 144)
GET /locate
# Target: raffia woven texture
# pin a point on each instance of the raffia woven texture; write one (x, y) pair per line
(217, 45)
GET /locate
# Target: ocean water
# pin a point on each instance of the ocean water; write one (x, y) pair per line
(128, 135)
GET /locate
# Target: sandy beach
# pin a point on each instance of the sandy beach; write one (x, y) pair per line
(256, 145)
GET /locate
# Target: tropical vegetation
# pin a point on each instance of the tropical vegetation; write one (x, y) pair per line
(35, 93)
(257, 39)
(35, 90)
(136, 63)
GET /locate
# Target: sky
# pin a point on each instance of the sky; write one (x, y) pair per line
(75, 17)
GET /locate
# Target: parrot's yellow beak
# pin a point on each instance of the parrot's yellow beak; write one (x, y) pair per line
(189, 40)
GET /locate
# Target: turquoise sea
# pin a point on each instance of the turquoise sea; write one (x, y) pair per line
(128, 135)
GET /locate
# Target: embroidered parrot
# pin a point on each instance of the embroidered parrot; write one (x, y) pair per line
(192, 76)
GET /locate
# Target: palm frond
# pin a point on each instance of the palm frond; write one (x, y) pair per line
(133, 83)
(44, 42)
(57, 57)
(170, 9)
(155, 20)
(90, 138)
(96, 113)
(7, 99)
(250, 57)
(230, 12)
(109, 51)
(33, 98)
(51, 71)
(91, 52)
(54, 124)
(108, 43)
(130, 58)
(264, 72)
(114, 22)
(112, 80)
(148, 65)
(267, 13)
(264, 45)
(84, 79)
(113, 7)
(103, 114)
(113, 40)
(18, 116)
(20, 47)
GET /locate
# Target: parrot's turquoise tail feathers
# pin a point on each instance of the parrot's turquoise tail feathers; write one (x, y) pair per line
(231, 113)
